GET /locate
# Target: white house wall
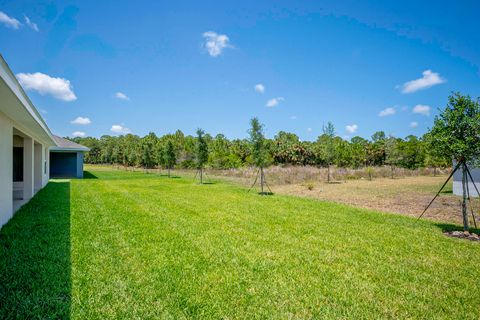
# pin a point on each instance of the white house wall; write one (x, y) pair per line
(36, 158)
(6, 169)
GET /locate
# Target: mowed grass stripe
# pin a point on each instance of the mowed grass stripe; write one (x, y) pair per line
(118, 290)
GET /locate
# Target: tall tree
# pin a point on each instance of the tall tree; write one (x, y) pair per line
(169, 155)
(377, 150)
(456, 135)
(147, 145)
(259, 150)
(393, 154)
(201, 152)
(358, 151)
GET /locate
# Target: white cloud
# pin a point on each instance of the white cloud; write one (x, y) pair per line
(309, 129)
(80, 134)
(121, 95)
(352, 128)
(421, 109)
(31, 24)
(81, 121)
(59, 88)
(260, 88)
(413, 124)
(274, 102)
(387, 112)
(215, 43)
(120, 129)
(428, 79)
(8, 21)
(293, 117)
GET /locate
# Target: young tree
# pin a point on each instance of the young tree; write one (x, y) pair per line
(201, 152)
(328, 142)
(259, 150)
(169, 156)
(456, 135)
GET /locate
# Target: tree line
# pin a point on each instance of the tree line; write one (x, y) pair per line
(178, 150)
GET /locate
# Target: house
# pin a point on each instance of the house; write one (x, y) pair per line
(26, 144)
(457, 181)
(66, 159)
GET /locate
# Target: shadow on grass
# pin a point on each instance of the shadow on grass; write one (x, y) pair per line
(448, 227)
(265, 193)
(89, 175)
(35, 266)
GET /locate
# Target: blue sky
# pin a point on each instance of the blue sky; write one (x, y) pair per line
(99, 67)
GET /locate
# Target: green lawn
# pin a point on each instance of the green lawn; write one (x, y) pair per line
(137, 246)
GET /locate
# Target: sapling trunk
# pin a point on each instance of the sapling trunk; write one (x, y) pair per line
(201, 175)
(464, 202)
(328, 173)
(261, 179)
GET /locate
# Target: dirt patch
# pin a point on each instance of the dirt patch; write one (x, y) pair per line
(463, 235)
(409, 195)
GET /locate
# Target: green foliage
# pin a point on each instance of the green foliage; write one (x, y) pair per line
(456, 134)
(288, 149)
(169, 154)
(201, 153)
(147, 146)
(284, 149)
(258, 144)
(456, 131)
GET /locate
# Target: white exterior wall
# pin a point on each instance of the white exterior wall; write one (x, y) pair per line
(6, 169)
(46, 166)
(35, 158)
(28, 168)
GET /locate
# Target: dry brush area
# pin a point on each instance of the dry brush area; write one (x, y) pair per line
(407, 193)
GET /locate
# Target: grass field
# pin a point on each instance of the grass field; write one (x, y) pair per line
(408, 193)
(141, 246)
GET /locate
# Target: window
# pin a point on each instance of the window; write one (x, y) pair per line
(17, 164)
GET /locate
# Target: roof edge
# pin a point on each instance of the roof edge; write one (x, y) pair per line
(23, 98)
